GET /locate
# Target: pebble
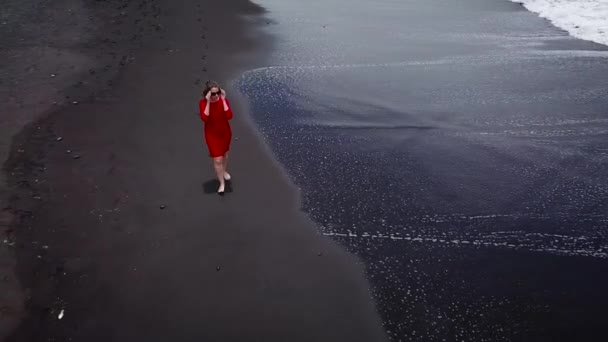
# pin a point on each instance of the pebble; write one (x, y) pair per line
(162, 207)
(217, 268)
(59, 138)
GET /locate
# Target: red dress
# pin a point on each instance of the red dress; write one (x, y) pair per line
(217, 129)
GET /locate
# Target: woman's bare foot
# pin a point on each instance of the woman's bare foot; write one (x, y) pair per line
(227, 176)
(221, 189)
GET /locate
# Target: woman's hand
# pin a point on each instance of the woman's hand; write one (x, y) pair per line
(208, 96)
(223, 95)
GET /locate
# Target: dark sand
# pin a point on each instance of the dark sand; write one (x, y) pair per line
(466, 143)
(93, 243)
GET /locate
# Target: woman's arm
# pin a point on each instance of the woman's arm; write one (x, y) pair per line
(204, 109)
(223, 97)
(227, 110)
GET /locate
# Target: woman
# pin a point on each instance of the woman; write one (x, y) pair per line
(215, 113)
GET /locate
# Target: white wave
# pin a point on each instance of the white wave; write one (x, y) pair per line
(536, 242)
(584, 19)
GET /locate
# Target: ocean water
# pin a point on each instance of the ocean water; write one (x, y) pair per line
(584, 19)
(459, 148)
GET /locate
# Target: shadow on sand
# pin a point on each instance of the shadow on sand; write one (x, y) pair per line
(210, 186)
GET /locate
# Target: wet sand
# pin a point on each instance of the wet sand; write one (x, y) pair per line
(118, 232)
(466, 144)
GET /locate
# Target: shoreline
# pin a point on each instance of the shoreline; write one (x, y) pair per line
(116, 267)
(466, 121)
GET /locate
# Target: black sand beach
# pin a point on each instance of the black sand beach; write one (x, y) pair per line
(454, 152)
(459, 148)
(111, 213)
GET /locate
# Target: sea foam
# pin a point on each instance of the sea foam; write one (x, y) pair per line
(584, 19)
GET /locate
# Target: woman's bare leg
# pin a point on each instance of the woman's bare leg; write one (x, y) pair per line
(226, 174)
(218, 165)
